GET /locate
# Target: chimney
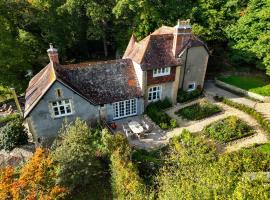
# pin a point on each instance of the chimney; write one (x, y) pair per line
(53, 55)
(182, 32)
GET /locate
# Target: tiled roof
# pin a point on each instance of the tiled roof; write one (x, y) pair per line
(38, 86)
(156, 50)
(102, 82)
(99, 82)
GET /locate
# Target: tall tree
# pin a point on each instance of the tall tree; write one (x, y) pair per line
(251, 34)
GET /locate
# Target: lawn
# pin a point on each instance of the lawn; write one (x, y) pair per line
(198, 111)
(228, 129)
(254, 84)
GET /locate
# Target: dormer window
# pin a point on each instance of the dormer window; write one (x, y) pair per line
(161, 71)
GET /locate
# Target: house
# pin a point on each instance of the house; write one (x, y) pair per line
(151, 69)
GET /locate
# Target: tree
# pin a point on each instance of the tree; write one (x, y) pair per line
(250, 34)
(75, 153)
(35, 180)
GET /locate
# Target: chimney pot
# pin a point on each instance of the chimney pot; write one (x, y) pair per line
(53, 54)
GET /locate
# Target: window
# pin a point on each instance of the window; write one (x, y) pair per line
(191, 86)
(124, 108)
(161, 71)
(154, 93)
(61, 108)
(58, 93)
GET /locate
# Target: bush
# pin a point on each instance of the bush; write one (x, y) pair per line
(13, 134)
(184, 96)
(126, 182)
(228, 129)
(256, 115)
(76, 154)
(155, 112)
(164, 104)
(198, 111)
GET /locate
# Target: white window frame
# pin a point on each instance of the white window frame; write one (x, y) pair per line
(56, 107)
(193, 88)
(164, 71)
(151, 92)
(124, 108)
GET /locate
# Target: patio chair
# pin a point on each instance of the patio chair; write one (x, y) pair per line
(147, 127)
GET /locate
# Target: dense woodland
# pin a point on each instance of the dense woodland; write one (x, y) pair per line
(236, 31)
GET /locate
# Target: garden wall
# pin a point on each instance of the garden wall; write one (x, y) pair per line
(241, 91)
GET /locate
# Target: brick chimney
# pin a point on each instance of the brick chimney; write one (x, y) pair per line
(182, 32)
(53, 55)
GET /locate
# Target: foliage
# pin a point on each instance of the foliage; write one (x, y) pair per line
(256, 84)
(126, 182)
(228, 129)
(76, 155)
(36, 180)
(8, 118)
(149, 163)
(251, 111)
(155, 112)
(251, 187)
(193, 171)
(184, 96)
(249, 36)
(198, 111)
(13, 134)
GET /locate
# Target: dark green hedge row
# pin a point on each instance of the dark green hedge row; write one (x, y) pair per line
(256, 115)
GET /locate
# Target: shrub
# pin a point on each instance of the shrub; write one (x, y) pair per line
(256, 115)
(184, 96)
(12, 134)
(164, 104)
(76, 155)
(154, 111)
(198, 111)
(126, 182)
(228, 129)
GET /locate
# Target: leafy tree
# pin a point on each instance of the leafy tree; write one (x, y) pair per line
(250, 34)
(35, 180)
(75, 154)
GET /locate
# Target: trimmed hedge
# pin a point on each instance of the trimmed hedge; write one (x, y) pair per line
(198, 111)
(228, 129)
(251, 111)
(8, 118)
(156, 113)
(13, 134)
(184, 96)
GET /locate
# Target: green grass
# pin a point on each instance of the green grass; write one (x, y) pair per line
(254, 84)
(5, 94)
(198, 111)
(264, 148)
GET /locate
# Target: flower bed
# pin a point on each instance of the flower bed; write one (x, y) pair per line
(228, 129)
(198, 111)
(156, 113)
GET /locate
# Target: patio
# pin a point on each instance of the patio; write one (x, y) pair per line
(152, 139)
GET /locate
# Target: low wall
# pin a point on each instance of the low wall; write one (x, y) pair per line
(241, 91)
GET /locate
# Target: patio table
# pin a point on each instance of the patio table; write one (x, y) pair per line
(135, 127)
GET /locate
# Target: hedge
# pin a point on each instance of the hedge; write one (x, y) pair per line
(251, 111)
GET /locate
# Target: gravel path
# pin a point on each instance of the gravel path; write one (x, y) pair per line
(264, 108)
(197, 126)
